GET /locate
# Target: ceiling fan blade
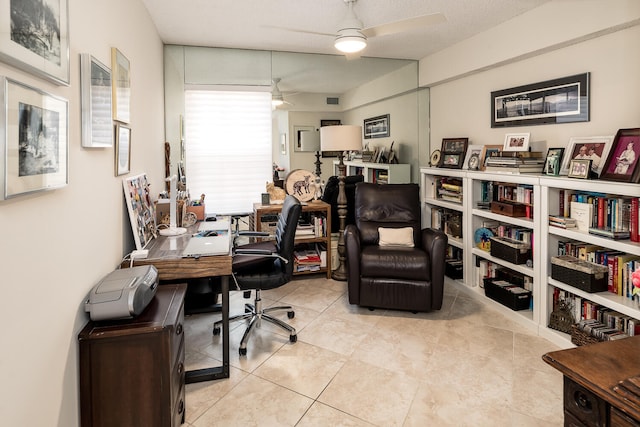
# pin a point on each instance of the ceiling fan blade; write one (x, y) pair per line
(353, 55)
(296, 30)
(404, 25)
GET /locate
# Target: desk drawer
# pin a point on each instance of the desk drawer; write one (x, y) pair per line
(618, 418)
(177, 337)
(584, 405)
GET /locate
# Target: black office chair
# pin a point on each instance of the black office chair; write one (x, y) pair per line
(266, 265)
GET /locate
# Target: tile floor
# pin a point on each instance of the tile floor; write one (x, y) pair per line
(465, 365)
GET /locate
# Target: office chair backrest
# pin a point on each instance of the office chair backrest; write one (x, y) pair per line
(387, 205)
(286, 232)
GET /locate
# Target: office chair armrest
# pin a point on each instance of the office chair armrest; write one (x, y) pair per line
(260, 252)
(254, 233)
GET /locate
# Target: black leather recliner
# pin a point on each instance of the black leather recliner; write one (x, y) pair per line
(393, 277)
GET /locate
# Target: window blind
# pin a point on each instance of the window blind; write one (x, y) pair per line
(227, 148)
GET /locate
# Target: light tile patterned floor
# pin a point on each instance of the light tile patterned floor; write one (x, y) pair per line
(465, 365)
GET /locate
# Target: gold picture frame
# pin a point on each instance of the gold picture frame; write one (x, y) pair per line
(121, 86)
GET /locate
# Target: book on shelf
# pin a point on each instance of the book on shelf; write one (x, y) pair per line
(609, 233)
(562, 222)
(515, 169)
(583, 214)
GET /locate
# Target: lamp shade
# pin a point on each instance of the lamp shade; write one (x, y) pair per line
(310, 140)
(341, 138)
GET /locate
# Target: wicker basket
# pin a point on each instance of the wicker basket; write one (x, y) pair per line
(561, 319)
(579, 337)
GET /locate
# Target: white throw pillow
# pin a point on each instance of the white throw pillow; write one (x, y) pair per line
(396, 236)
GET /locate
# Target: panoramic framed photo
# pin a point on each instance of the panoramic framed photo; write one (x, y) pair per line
(377, 127)
(35, 146)
(623, 161)
(34, 36)
(563, 100)
(95, 87)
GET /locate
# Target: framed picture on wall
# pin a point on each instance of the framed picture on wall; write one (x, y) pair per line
(95, 88)
(34, 146)
(123, 149)
(377, 127)
(121, 86)
(34, 36)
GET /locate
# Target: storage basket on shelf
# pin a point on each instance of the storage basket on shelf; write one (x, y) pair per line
(580, 274)
(580, 337)
(561, 318)
(514, 251)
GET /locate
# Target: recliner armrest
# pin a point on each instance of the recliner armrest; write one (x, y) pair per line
(435, 243)
(352, 254)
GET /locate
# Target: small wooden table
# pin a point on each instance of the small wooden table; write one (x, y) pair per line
(165, 253)
(596, 377)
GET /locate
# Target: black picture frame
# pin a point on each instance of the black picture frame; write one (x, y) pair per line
(563, 100)
(376, 127)
(623, 161)
(552, 161)
(453, 152)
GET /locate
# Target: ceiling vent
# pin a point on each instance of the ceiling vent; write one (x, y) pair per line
(333, 100)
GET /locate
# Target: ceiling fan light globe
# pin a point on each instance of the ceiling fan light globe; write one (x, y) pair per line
(350, 43)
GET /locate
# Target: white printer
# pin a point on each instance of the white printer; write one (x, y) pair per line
(123, 294)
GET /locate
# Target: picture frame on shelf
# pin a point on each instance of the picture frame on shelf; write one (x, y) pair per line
(516, 142)
(121, 86)
(376, 127)
(453, 152)
(562, 100)
(475, 151)
(96, 93)
(553, 161)
(487, 151)
(580, 168)
(38, 42)
(623, 161)
(123, 149)
(142, 211)
(595, 148)
(34, 147)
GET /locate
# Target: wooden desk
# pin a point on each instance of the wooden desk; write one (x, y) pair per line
(591, 374)
(165, 253)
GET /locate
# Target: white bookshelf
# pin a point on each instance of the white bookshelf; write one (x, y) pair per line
(396, 173)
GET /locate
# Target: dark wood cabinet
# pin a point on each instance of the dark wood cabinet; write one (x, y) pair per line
(132, 372)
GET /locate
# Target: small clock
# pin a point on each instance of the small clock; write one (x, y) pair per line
(435, 158)
(474, 162)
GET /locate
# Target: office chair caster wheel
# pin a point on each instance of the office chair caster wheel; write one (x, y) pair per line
(216, 331)
(293, 338)
(291, 314)
(242, 351)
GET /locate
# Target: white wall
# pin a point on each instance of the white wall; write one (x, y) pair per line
(57, 245)
(460, 100)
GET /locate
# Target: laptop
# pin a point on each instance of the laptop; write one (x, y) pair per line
(207, 246)
(220, 224)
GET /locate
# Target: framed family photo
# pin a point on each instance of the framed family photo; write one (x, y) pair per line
(552, 162)
(487, 151)
(453, 152)
(95, 87)
(580, 168)
(34, 148)
(516, 142)
(34, 36)
(594, 148)
(624, 157)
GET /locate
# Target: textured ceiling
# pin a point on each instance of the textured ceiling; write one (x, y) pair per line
(263, 24)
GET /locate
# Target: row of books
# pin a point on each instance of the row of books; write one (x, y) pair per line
(381, 176)
(310, 258)
(608, 216)
(496, 191)
(620, 265)
(602, 331)
(314, 226)
(585, 309)
(503, 162)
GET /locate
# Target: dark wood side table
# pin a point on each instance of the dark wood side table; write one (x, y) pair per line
(596, 377)
(132, 371)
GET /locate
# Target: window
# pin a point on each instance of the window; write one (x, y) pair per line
(227, 148)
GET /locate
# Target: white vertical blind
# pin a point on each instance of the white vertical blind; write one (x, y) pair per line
(227, 148)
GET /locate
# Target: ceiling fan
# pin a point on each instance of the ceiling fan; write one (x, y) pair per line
(277, 98)
(351, 37)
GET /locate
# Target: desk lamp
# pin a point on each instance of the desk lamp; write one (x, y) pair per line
(310, 141)
(173, 229)
(341, 138)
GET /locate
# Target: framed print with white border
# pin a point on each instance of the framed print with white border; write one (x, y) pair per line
(516, 142)
(35, 145)
(95, 88)
(34, 36)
